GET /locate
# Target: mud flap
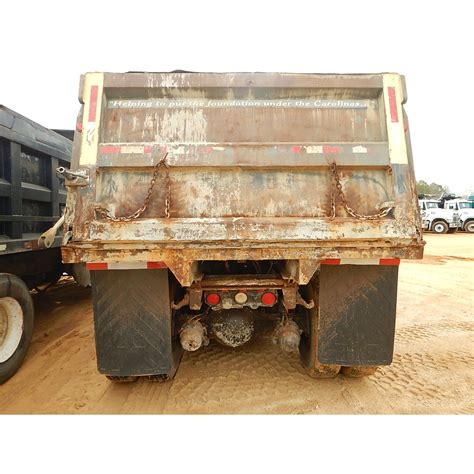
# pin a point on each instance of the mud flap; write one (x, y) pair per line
(309, 338)
(133, 323)
(357, 306)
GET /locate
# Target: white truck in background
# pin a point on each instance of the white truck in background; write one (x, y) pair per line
(463, 212)
(436, 219)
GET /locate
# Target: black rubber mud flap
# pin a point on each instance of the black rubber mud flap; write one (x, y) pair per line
(357, 305)
(309, 339)
(133, 323)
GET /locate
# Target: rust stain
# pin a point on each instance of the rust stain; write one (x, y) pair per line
(245, 182)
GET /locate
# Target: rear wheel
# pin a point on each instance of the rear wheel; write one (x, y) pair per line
(122, 379)
(469, 227)
(440, 227)
(16, 324)
(159, 378)
(358, 371)
(322, 371)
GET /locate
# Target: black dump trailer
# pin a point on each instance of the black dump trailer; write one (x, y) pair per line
(32, 199)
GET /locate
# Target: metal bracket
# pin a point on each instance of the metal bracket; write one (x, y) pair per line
(46, 240)
(72, 177)
(301, 301)
(184, 302)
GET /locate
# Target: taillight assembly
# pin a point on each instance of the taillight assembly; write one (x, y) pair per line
(268, 298)
(213, 299)
(241, 297)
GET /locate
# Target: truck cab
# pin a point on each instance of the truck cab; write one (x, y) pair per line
(436, 219)
(462, 209)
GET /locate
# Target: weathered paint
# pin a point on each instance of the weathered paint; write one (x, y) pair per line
(393, 110)
(247, 160)
(91, 97)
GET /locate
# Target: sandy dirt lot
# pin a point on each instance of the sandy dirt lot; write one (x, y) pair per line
(432, 371)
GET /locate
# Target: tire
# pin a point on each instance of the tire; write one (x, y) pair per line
(469, 227)
(323, 371)
(16, 324)
(439, 227)
(358, 371)
(122, 379)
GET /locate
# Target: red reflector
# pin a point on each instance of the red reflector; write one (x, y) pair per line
(93, 103)
(108, 149)
(389, 261)
(331, 149)
(392, 99)
(268, 298)
(96, 266)
(331, 261)
(155, 265)
(213, 298)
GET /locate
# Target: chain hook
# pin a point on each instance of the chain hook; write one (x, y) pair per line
(104, 212)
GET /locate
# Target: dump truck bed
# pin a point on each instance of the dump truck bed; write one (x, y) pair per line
(183, 167)
(32, 198)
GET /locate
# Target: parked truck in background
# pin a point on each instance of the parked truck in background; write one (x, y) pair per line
(436, 219)
(32, 198)
(463, 212)
(205, 204)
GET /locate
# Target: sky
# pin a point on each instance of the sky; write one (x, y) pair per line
(46, 45)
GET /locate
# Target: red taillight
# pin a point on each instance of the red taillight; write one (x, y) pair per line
(213, 298)
(268, 298)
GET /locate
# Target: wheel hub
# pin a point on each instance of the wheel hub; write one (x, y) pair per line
(11, 327)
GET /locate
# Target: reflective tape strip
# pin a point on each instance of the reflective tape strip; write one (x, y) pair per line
(155, 265)
(392, 99)
(394, 118)
(93, 103)
(130, 149)
(125, 265)
(96, 266)
(331, 149)
(91, 95)
(331, 261)
(109, 149)
(126, 149)
(390, 261)
(360, 261)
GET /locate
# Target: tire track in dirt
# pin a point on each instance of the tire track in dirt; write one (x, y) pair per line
(426, 331)
(417, 375)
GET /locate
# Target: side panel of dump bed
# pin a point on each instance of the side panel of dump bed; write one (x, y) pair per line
(243, 161)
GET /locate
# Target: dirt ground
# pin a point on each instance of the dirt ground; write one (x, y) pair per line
(432, 371)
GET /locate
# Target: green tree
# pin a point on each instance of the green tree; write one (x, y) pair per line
(433, 189)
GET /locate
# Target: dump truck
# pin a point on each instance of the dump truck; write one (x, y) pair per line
(32, 198)
(210, 206)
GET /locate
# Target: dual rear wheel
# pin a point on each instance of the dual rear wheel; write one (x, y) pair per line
(331, 371)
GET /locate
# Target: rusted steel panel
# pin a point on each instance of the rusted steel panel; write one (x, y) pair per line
(133, 84)
(216, 166)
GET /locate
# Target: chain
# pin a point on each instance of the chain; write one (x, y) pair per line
(337, 180)
(104, 212)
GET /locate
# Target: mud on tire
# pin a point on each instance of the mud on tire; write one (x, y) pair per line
(358, 371)
(122, 378)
